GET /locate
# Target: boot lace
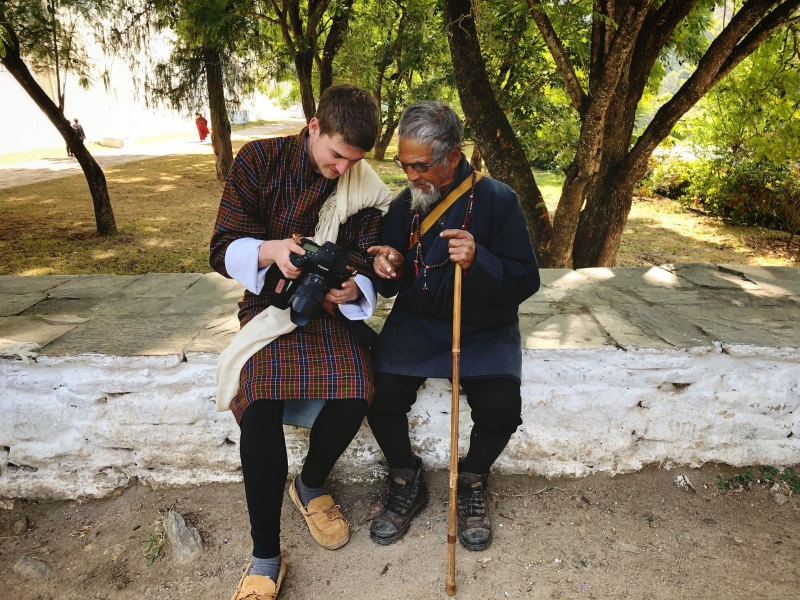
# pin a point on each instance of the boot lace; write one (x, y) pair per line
(472, 503)
(400, 497)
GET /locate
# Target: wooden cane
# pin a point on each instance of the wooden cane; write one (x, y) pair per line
(452, 515)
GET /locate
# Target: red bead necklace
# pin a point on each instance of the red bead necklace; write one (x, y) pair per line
(419, 261)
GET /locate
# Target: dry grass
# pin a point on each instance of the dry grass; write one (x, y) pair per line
(165, 210)
(660, 231)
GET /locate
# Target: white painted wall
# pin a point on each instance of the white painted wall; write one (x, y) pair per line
(90, 424)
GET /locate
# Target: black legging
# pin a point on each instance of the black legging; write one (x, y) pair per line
(265, 465)
(496, 405)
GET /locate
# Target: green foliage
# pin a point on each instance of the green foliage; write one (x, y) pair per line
(397, 51)
(526, 82)
(670, 178)
(195, 30)
(154, 544)
(766, 476)
(746, 133)
(50, 35)
(746, 191)
(754, 113)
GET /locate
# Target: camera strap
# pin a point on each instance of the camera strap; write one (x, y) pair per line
(439, 210)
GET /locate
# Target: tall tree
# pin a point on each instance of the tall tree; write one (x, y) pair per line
(500, 147)
(605, 79)
(627, 38)
(47, 34)
(395, 49)
(213, 55)
(312, 31)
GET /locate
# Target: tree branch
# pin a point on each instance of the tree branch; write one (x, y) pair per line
(745, 24)
(780, 17)
(565, 68)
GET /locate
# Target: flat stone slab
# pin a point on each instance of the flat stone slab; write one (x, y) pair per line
(133, 335)
(568, 332)
(13, 304)
(37, 284)
(80, 287)
(680, 306)
(36, 330)
(211, 294)
(161, 285)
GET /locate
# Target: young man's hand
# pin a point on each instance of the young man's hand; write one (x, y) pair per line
(387, 261)
(349, 291)
(276, 252)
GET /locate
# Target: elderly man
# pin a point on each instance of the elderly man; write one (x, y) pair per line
(448, 215)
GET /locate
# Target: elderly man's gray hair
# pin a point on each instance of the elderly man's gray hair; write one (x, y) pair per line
(433, 124)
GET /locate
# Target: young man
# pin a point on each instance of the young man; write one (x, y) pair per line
(483, 231)
(278, 189)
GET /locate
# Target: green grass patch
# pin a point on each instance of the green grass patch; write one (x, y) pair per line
(763, 475)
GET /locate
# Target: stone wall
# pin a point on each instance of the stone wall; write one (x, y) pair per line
(106, 380)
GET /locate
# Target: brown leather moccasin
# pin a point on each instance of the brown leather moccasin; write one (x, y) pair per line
(327, 525)
(257, 587)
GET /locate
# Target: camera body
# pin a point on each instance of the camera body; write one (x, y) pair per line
(324, 267)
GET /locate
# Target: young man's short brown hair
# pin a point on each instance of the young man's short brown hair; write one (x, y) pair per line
(352, 113)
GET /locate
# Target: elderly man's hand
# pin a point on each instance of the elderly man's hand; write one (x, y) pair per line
(349, 291)
(462, 247)
(387, 261)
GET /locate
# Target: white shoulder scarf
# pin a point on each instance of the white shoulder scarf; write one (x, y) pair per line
(357, 189)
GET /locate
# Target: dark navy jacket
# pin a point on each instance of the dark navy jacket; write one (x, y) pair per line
(417, 337)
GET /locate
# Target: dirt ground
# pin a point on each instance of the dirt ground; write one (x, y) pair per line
(630, 536)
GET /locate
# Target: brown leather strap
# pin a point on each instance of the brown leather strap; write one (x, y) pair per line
(442, 207)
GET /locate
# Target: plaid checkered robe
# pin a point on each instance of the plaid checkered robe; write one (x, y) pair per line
(271, 193)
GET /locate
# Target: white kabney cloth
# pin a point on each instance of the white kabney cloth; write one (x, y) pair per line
(357, 189)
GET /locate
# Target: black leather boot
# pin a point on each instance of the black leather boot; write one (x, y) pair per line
(407, 495)
(474, 527)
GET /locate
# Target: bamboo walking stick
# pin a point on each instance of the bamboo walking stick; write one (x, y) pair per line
(452, 517)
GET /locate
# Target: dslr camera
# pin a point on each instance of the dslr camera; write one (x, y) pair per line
(324, 267)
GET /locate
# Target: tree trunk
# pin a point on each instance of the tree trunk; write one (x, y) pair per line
(339, 25)
(304, 65)
(500, 147)
(609, 200)
(103, 213)
(384, 140)
(220, 124)
(476, 161)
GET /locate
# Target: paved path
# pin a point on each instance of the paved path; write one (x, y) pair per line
(51, 168)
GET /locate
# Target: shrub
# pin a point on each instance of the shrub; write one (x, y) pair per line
(746, 192)
(670, 178)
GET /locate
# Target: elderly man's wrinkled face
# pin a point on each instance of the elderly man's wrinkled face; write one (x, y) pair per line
(426, 186)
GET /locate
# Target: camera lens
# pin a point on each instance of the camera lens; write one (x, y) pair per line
(307, 300)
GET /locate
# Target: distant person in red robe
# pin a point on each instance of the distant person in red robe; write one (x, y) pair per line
(202, 126)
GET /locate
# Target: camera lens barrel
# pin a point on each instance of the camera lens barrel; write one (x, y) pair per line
(307, 300)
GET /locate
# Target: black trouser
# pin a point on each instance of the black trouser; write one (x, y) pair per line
(496, 406)
(265, 465)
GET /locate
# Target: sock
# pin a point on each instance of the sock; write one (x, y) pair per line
(266, 567)
(307, 494)
(484, 448)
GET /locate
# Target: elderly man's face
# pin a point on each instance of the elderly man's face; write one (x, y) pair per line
(411, 151)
